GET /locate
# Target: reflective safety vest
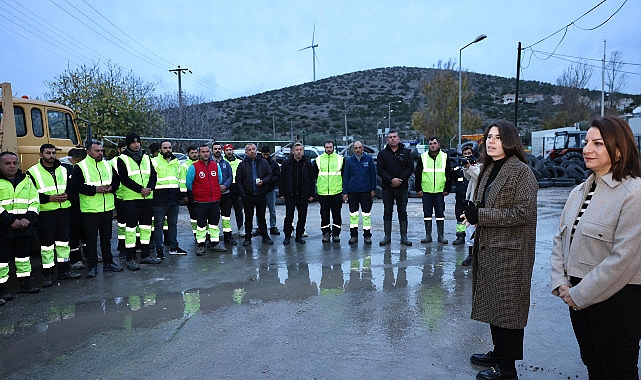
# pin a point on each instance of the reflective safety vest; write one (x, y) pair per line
(18, 200)
(168, 173)
(139, 174)
(49, 184)
(330, 178)
(183, 174)
(96, 174)
(433, 180)
(234, 165)
(114, 164)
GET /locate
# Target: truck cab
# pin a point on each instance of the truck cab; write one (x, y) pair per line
(26, 124)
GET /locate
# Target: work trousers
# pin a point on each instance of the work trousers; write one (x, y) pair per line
(433, 202)
(53, 231)
(364, 202)
(608, 334)
(237, 205)
(333, 204)
(94, 224)
(121, 218)
(138, 213)
(299, 204)
(17, 249)
(249, 203)
(398, 195)
(225, 213)
(171, 213)
(207, 218)
(76, 234)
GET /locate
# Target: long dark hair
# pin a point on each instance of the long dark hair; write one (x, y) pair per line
(512, 145)
(617, 136)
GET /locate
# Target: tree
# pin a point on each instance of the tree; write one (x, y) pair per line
(572, 85)
(439, 117)
(616, 77)
(113, 103)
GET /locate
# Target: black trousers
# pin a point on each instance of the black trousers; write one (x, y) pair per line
(94, 224)
(296, 203)
(76, 234)
(508, 343)
(139, 212)
(237, 204)
(333, 204)
(364, 201)
(54, 226)
(121, 218)
(259, 203)
(608, 334)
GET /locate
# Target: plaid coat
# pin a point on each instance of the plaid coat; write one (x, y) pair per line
(504, 246)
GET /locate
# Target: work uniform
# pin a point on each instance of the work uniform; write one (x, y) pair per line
(18, 200)
(234, 190)
(359, 181)
(186, 192)
(435, 176)
(203, 179)
(54, 222)
(329, 186)
(226, 178)
(165, 203)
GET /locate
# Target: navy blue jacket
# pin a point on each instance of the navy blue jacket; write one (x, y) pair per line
(359, 176)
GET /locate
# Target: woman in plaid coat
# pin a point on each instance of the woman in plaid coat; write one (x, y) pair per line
(504, 213)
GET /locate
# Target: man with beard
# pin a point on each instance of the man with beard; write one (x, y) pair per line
(254, 172)
(50, 179)
(138, 178)
(329, 185)
(188, 197)
(297, 189)
(234, 189)
(165, 200)
(18, 214)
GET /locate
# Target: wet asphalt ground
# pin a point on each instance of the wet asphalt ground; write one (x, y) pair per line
(319, 310)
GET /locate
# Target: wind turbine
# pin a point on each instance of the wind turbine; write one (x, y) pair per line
(313, 47)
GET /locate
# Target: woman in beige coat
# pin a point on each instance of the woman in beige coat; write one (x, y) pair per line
(504, 213)
(596, 263)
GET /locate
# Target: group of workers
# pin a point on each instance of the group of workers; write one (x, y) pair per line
(67, 204)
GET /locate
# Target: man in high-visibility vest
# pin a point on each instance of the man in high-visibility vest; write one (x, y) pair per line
(234, 189)
(166, 197)
(18, 214)
(96, 181)
(120, 206)
(225, 196)
(188, 196)
(359, 188)
(328, 170)
(433, 177)
(54, 222)
(138, 179)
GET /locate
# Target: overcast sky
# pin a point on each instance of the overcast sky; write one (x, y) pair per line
(238, 48)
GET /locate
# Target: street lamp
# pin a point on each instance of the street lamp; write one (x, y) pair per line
(389, 114)
(460, 85)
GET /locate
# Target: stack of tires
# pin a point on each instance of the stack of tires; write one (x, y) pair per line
(567, 170)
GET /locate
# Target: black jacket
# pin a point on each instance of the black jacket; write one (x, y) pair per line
(390, 164)
(245, 179)
(275, 178)
(286, 188)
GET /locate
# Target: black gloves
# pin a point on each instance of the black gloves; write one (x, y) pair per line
(472, 213)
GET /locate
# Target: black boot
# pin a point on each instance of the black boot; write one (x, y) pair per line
(460, 238)
(404, 239)
(428, 232)
(468, 259)
(387, 226)
(47, 277)
(440, 227)
(65, 272)
(25, 286)
(4, 294)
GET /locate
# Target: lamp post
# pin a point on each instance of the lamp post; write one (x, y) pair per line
(460, 85)
(389, 114)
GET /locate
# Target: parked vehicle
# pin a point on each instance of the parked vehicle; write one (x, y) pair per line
(26, 124)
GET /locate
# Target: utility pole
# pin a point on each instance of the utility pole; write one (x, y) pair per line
(179, 71)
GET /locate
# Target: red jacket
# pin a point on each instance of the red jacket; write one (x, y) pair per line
(206, 185)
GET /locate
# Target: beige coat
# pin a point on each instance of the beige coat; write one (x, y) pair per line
(504, 246)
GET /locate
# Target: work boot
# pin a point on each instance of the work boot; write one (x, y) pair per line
(353, 240)
(25, 286)
(228, 239)
(468, 260)
(274, 231)
(387, 227)
(326, 238)
(47, 277)
(440, 227)
(65, 272)
(4, 294)
(460, 238)
(404, 240)
(428, 232)
(219, 247)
